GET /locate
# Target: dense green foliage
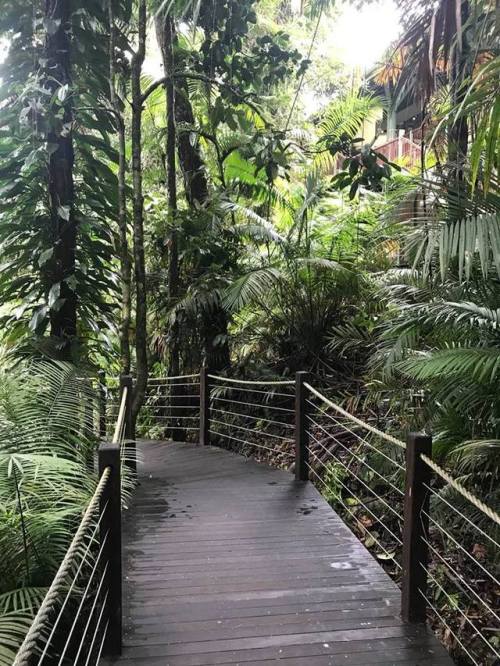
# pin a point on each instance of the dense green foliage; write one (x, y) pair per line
(165, 189)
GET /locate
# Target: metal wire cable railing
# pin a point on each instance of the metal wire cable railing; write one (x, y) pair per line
(347, 460)
(354, 516)
(387, 495)
(252, 417)
(172, 408)
(395, 497)
(81, 613)
(46, 636)
(462, 569)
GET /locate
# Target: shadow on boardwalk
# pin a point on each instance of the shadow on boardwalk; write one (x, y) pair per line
(228, 561)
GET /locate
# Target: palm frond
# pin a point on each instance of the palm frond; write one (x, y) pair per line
(321, 262)
(473, 238)
(13, 627)
(25, 599)
(250, 287)
(342, 122)
(483, 365)
(258, 228)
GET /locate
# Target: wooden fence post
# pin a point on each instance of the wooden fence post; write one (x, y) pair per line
(415, 529)
(102, 403)
(111, 530)
(129, 434)
(204, 407)
(301, 436)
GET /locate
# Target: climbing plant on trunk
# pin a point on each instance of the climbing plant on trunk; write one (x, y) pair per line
(124, 250)
(59, 272)
(138, 214)
(56, 180)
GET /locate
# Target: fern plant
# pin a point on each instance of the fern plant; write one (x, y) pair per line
(46, 480)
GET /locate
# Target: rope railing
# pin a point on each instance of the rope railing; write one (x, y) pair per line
(42, 635)
(110, 393)
(247, 382)
(79, 618)
(456, 485)
(119, 432)
(168, 379)
(383, 435)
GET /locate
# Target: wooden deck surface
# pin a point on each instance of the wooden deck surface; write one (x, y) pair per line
(230, 562)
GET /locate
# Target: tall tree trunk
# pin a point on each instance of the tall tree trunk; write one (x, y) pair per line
(125, 263)
(61, 268)
(138, 215)
(215, 338)
(173, 259)
(192, 165)
(165, 35)
(214, 324)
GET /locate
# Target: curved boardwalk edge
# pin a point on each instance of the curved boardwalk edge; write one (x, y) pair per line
(227, 561)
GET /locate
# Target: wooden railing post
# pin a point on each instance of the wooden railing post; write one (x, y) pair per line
(111, 535)
(204, 407)
(415, 528)
(102, 403)
(129, 434)
(301, 436)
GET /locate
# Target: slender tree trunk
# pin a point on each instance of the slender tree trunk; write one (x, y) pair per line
(213, 323)
(125, 263)
(125, 260)
(458, 139)
(165, 36)
(61, 269)
(138, 215)
(165, 33)
(173, 260)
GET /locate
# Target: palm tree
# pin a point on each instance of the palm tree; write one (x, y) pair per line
(442, 341)
(290, 300)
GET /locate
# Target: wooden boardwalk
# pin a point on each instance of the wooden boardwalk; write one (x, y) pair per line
(227, 561)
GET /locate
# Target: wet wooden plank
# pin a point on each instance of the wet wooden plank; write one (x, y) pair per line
(227, 561)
